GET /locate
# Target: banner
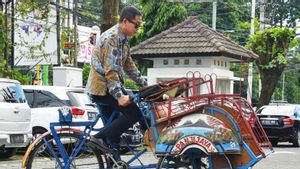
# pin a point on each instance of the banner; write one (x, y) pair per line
(35, 39)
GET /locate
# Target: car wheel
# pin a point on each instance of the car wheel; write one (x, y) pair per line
(36, 132)
(7, 152)
(296, 138)
(274, 142)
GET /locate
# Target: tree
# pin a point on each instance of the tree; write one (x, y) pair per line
(90, 12)
(291, 91)
(290, 78)
(5, 71)
(231, 17)
(110, 11)
(283, 12)
(272, 46)
(158, 16)
(12, 74)
(85, 74)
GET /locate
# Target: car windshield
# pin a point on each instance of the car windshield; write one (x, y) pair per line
(79, 99)
(277, 110)
(11, 92)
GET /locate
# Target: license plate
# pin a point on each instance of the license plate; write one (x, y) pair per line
(16, 138)
(269, 122)
(92, 115)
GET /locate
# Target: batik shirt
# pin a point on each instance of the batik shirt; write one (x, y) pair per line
(110, 59)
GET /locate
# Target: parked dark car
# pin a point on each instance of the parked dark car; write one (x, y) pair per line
(281, 123)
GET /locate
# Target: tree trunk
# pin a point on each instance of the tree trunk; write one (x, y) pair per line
(269, 79)
(110, 10)
(1, 6)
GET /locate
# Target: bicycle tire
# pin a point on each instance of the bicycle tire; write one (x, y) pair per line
(88, 158)
(178, 163)
(189, 160)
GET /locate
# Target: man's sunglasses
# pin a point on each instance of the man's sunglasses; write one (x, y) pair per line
(136, 25)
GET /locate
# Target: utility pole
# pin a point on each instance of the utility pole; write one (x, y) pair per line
(12, 34)
(250, 70)
(6, 33)
(75, 31)
(58, 31)
(262, 15)
(261, 28)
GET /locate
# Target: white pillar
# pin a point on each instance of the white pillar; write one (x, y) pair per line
(250, 70)
(214, 16)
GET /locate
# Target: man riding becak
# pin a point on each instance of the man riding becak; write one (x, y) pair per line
(111, 58)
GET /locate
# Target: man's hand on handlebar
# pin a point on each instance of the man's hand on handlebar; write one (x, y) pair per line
(124, 100)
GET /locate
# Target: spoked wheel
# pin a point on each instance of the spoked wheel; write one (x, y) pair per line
(188, 160)
(87, 158)
(182, 162)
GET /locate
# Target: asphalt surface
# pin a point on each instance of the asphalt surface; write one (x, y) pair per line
(284, 157)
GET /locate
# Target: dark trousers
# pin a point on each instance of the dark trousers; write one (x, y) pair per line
(130, 114)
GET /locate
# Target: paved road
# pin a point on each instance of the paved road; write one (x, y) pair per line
(285, 157)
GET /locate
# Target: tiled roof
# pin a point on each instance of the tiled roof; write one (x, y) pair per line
(190, 38)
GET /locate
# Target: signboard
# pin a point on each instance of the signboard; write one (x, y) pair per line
(31, 32)
(85, 52)
(194, 140)
(86, 47)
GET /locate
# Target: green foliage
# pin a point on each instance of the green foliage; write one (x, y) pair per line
(85, 73)
(283, 13)
(67, 36)
(292, 88)
(158, 16)
(90, 12)
(40, 7)
(232, 16)
(130, 84)
(40, 11)
(298, 77)
(277, 94)
(240, 71)
(13, 74)
(272, 46)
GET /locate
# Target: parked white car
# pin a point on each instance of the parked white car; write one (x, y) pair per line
(15, 126)
(45, 101)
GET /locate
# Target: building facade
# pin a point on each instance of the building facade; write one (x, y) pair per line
(192, 46)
